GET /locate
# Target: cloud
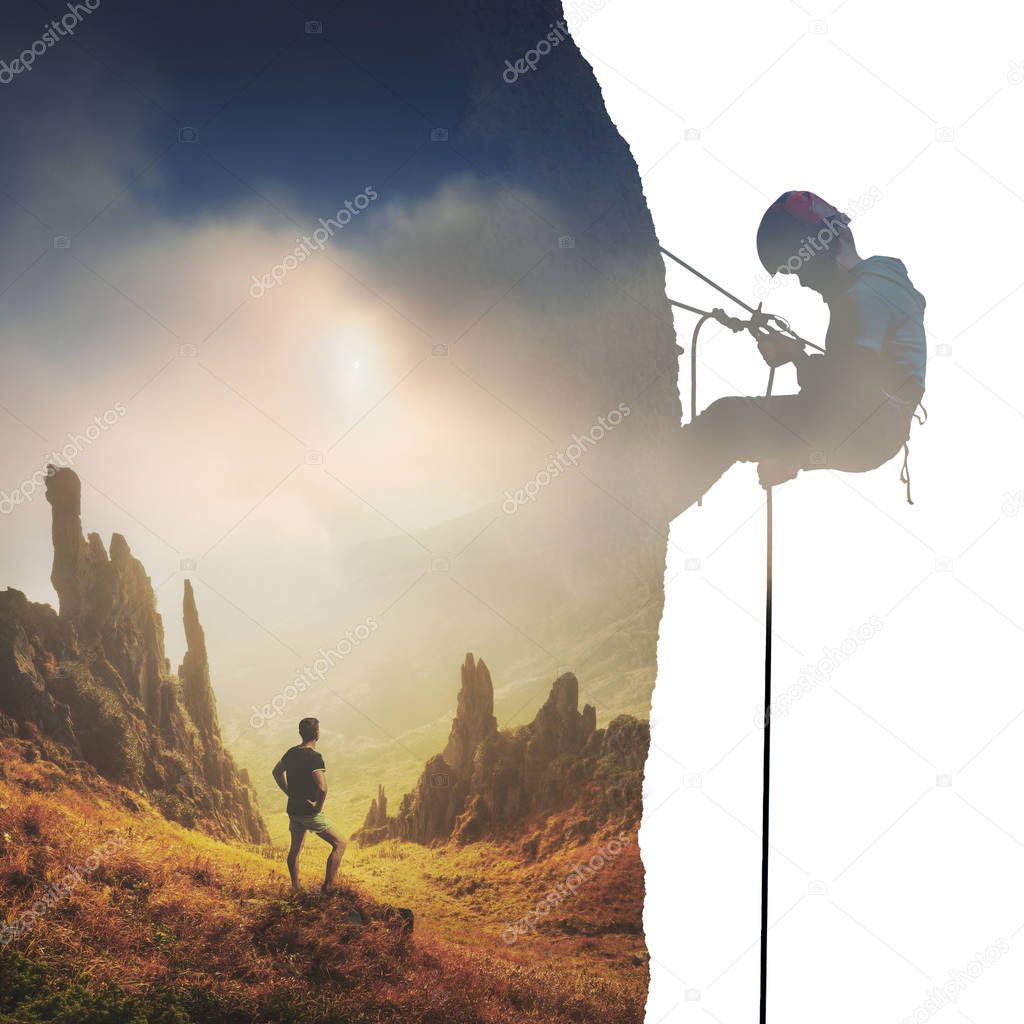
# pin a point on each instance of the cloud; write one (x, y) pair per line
(280, 441)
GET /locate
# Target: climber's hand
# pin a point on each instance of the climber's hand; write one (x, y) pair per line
(776, 471)
(777, 350)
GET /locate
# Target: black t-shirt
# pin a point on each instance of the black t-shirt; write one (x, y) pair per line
(299, 764)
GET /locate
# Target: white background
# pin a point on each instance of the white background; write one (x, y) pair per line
(897, 818)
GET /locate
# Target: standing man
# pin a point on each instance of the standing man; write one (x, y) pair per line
(301, 776)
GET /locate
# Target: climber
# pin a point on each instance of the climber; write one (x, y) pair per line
(300, 775)
(856, 401)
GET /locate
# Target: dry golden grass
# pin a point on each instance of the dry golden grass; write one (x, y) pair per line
(173, 926)
(470, 895)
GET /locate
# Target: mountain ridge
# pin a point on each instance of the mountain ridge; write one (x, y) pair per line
(491, 783)
(92, 681)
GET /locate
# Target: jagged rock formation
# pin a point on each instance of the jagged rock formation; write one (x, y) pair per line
(489, 781)
(107, 602)
(377, 815)
(474, 719)
(95, 681)
(194, 672)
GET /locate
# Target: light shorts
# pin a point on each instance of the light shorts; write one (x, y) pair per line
(308, 822)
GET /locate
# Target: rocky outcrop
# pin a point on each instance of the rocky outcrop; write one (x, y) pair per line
(92, 682)
(107, 601)
(377, 815)
(428, 813)
(474, 719)
(379, 808)
(489, 782)
(194, 672)
(26, 629)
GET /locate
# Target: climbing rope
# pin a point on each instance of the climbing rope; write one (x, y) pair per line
(732, 323)
(905, 471)
(766, 775)
(761, 325)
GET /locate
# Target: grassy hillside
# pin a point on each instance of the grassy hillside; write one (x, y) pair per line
(476, 896)
(114, 914)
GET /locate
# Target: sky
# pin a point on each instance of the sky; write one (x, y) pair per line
(310, 113)
(230, 400)
(334, 293)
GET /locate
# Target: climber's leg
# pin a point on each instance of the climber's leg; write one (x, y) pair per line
(740, 430)
(854, 434)
(871, 435)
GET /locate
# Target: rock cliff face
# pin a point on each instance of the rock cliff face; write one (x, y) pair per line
(486, 783)
(94, 680)
(194, 673)
(474, 720)
(107, 602)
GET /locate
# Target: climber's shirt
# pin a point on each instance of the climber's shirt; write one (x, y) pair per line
(876, 338)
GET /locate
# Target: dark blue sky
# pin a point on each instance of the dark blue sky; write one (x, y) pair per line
(319, 115)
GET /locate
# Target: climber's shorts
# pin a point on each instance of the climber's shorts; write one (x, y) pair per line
(308, 822)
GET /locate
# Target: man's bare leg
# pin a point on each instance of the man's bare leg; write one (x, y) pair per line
(298, 838)
(328, 835)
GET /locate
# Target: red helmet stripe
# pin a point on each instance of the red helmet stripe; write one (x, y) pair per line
(806, 207)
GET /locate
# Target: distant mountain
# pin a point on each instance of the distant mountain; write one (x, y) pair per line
(498, 784)
(93, 681)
